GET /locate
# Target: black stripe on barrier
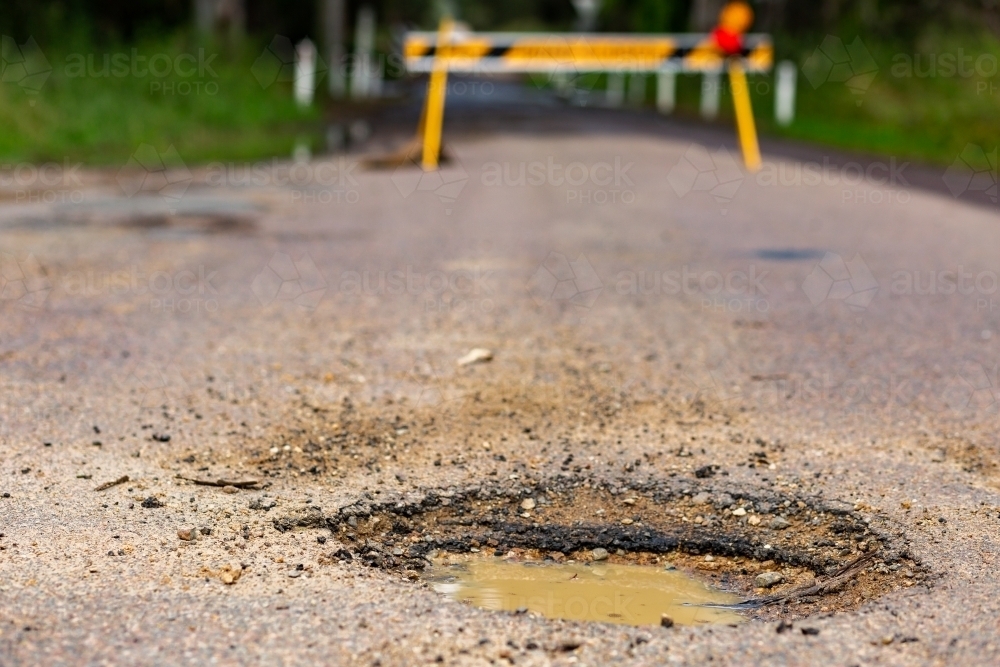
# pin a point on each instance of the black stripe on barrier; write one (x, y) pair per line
(501, 51)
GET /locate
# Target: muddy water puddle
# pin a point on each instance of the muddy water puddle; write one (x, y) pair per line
(606, 592)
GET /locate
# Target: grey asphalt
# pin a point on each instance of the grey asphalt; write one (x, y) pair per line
(850, 324)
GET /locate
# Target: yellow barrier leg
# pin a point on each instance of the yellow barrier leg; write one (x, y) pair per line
(437, 88)
(744, 117)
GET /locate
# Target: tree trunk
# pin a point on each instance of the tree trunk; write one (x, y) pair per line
(705, 14)
(333, 42)
(223, 16)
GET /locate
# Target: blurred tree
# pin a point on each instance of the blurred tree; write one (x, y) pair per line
(126, 20)
(704, 14)
(644, 15)
(220, 16)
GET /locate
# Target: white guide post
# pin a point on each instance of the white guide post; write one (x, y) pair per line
(784, 92)
(305, 73)
(666, 90)
(616, 89)
(710, 90)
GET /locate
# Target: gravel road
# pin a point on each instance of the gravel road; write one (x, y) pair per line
(659, 323)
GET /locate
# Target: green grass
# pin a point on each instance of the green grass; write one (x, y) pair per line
(224, 112)
(103, 120)
(928, 118)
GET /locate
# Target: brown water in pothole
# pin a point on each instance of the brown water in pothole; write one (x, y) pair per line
(607, 592)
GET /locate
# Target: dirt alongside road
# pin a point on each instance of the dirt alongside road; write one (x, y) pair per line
(660, 359)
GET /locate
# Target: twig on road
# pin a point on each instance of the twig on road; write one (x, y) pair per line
(115, 482)
(238, 483)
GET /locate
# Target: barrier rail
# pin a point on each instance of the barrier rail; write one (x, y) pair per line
(508, 52)
(727, 48)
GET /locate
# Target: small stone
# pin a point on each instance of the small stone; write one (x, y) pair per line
(666, 621)
(187, 534)
(779, 523)
(701, 498)
(887, 639)
(230, 489)
(528, 504)
(262, 503)
(151, 502)
(476, 355)
(739, 511)
(627, 522)
(938, 456)
(709, 558)
(230, 574)
(599, 554)
(768, 579)
(754, 520)
(724, 501)
(629, 501)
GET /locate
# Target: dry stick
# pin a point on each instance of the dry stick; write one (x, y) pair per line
(238, 483)
(108, 485)
(845, 573)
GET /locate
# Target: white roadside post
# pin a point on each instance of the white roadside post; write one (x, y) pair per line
(616, 89)
(710, 90)
(666, 89)
(305, 73)
(784, 92)
(637, 89)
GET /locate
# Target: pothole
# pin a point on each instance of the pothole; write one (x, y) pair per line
(786, 556)
(606, 592)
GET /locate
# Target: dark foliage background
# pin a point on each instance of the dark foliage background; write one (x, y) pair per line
(127, 20)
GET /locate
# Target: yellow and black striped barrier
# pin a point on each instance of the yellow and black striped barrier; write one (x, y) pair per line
(728, 47)
(506, 52)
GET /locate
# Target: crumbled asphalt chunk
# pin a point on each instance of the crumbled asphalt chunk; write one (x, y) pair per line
(768, 579)
(161, 437)
(810, 631)
(705, 472)
(152, 502)
(779, 523)
(309, 517)
(723, 501)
